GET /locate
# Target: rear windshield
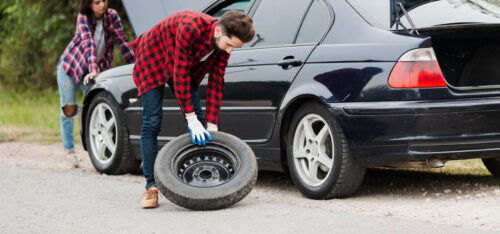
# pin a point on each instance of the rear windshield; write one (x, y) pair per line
(427, 13)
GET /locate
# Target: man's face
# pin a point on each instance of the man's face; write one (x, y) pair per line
(224, 43)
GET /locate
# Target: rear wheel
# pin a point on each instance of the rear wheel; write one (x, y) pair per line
(493, 165)
(318, 155)
(107, 137)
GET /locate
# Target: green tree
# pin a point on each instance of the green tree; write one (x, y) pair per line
(34, 34)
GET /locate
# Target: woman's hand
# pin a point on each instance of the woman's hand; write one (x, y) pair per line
(89, 77)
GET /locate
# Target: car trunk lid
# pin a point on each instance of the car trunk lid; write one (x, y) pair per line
(468, 54)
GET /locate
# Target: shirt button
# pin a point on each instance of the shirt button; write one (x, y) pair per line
(148, 86)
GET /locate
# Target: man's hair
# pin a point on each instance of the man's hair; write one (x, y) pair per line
(238, 24)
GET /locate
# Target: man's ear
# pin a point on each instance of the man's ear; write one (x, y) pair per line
(218, 31)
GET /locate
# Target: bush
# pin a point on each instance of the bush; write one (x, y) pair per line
(34, 34)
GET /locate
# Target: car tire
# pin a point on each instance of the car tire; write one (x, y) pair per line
(107, 137)
(493, 165)
(315, 138)
(209, 177)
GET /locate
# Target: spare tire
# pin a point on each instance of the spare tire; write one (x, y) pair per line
(210, 177)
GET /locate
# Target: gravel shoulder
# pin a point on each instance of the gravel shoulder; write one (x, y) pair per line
(464, 202)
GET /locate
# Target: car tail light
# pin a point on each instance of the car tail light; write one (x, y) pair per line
(417, 68)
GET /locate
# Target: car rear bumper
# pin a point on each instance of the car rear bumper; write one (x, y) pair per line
(381, 133)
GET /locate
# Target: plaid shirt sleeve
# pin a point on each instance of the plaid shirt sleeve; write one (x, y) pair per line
(186, 36)
(89, 47)
(215, 88)
(127, 52)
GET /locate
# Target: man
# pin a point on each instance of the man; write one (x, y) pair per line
(179, 51)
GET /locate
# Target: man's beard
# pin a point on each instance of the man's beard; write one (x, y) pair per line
(217, 50)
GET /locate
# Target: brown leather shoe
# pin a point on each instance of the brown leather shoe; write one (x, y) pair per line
(150, 199)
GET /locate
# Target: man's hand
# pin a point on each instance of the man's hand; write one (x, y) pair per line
(212, 127)
(198, 132)
(89, 77)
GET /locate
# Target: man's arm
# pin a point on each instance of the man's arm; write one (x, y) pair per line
(215, 88)
(185, 38)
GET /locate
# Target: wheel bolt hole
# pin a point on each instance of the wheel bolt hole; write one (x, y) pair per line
(206, 174)
(308, 151)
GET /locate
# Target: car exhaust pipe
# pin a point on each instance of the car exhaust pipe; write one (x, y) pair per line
(428, 163)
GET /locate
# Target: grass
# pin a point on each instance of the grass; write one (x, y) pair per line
(32, 116)
(459, 167)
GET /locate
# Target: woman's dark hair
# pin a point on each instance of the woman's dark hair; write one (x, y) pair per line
(238, 24)
(85, 7)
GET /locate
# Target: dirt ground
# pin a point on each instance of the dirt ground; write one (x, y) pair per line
(463, 201)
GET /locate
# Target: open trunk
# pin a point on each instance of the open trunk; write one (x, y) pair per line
(469, 55)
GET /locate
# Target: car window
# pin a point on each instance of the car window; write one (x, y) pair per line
(315, 24)
(238, 5)
(276, 22)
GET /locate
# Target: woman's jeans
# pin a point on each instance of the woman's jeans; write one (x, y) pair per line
(67, 93)
(152, 102)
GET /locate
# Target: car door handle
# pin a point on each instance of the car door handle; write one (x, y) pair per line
(288, 62)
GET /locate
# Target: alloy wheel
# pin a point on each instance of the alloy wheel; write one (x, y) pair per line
(313, 150)
(103, 133)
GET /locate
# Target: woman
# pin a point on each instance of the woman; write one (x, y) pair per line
(90, 52)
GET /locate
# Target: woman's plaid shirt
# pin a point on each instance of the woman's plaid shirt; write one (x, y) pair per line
(173, 49)
(81, 53)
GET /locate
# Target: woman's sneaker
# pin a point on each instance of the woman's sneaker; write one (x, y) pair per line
(72, 160)
(150, 199)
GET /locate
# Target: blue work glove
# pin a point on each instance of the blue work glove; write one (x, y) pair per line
(199, 134)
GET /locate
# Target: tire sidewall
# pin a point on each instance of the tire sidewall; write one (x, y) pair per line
(493, 165)
(111, 166)
(181, 194)
(319, 191)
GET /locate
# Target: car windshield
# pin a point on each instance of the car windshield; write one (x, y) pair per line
(427, 13)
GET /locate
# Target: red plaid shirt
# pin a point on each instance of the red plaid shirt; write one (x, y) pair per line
(173, 49)
(81, 53)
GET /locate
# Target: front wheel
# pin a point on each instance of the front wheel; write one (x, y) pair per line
(106, 137)
(319, 159)
(493, 165)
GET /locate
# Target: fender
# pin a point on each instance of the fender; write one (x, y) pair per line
(118, 82)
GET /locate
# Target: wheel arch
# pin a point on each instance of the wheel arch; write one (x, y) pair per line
(286, 120)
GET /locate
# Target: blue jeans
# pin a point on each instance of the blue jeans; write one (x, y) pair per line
(67, 93)
(152, 102)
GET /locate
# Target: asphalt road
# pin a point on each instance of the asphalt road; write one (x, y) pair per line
(40, 195)
(41, 201)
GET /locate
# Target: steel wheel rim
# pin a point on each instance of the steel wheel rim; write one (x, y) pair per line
(205, 166)
(313, 150)
(103, 133)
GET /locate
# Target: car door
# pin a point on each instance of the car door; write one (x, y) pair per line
(259, 74)
(173, 122)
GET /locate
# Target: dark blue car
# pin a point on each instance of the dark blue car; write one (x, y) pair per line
(328, 88)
